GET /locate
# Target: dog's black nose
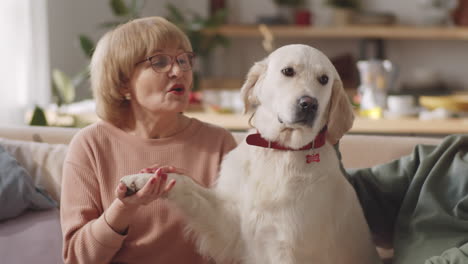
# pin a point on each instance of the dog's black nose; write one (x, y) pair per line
(306, 110)
(307, 104)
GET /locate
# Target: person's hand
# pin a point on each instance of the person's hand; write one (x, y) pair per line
(155, 167)
(156, 187)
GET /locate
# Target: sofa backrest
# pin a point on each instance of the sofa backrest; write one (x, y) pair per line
(53, 135)
(362, 151)
(357, 150)
(41, 150)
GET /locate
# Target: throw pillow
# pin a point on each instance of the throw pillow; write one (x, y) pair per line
(17, 190)
(43, 161)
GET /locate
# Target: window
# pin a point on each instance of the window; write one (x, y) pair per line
(24, 59)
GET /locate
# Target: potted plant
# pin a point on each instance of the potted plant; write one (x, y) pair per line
(64, 86)
(343, 11)
(203, 44)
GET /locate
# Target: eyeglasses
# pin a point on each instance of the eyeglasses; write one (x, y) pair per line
(163, 62)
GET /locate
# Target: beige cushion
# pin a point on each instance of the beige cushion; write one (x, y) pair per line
(52, 135)
(43, 162)
(362, 151)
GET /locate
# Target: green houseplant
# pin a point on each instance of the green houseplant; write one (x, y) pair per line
(63, 85)
(203, 44)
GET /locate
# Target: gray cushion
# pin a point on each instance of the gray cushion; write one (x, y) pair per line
(17, 190)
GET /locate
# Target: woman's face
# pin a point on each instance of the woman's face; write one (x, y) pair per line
(155, 92)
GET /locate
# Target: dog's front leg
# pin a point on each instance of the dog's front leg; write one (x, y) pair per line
(196, 202)
(210, 216)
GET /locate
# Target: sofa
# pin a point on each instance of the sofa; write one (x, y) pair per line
(34, 236)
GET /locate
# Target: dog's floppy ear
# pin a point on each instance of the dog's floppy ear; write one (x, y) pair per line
(255, 74)
(341, 116)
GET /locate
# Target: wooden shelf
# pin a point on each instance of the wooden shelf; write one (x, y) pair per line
(401, 126)
(405, 126)
(383, 32)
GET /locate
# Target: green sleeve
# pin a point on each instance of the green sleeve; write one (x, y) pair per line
(451, 256)
(381, 190)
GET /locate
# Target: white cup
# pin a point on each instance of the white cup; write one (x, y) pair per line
(402, 104)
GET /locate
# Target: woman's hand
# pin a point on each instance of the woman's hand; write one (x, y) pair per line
(156, 166)
(157, 187)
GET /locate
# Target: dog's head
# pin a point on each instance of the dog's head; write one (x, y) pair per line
(297, 91)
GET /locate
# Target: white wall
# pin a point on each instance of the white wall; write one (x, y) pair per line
(68, 18)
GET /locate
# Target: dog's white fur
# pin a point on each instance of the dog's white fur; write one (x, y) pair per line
(270, 206)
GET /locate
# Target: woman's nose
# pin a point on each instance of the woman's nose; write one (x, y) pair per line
(175, 70)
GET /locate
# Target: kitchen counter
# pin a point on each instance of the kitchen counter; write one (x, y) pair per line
(405, 126)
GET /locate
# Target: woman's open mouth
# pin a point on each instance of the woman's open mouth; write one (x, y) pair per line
(177, 90)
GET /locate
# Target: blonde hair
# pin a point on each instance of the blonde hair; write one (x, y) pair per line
(115, 56)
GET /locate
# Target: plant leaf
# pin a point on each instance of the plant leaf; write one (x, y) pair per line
(87, 45)
(176, 16)
(217, 19)
(56, 94)
(81, 77)
(119, 8)
(64, 86)
(222, 40)
(136, 8)
(213, 41)
(38, 118)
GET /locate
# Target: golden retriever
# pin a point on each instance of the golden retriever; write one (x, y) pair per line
(281, 196)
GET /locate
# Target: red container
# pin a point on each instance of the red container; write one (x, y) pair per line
(302, 17)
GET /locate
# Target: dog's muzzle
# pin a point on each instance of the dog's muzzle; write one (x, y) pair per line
(306, 110)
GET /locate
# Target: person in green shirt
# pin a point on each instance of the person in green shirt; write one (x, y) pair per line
(419, 203)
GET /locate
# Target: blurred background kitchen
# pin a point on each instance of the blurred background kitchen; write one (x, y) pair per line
(404, 63)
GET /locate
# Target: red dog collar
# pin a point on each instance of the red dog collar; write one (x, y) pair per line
(257, 140)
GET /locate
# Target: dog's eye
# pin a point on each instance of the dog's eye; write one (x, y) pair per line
(288, 71)
(323, 79)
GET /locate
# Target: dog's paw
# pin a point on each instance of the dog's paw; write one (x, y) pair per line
(135, 182)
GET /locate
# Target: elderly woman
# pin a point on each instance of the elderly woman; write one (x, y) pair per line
(141, 75)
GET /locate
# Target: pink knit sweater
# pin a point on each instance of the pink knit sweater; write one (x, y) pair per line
(98, 156)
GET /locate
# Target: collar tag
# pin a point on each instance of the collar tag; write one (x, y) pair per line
(313, 158)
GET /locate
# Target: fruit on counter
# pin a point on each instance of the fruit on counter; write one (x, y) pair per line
(456, 102)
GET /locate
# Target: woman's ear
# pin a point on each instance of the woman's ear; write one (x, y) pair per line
(255, 74)
(341, 115)
(125, 92)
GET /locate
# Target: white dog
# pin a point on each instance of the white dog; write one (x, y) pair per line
(281, 196)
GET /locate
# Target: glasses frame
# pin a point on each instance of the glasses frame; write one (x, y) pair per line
(173, 59)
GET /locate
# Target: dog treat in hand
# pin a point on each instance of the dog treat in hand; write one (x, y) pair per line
(135, 182)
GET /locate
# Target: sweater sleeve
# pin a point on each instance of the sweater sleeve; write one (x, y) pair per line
(87, 238)
(457, 255)
(381, 190)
